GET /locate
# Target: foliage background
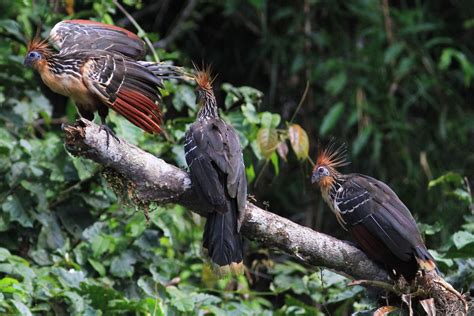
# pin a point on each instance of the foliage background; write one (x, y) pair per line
(392, 81)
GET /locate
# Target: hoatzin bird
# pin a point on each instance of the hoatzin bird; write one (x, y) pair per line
(99, 67)
(214, 157)
(378, 221)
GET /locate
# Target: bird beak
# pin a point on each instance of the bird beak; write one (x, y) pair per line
(27, 62)
(315, 178)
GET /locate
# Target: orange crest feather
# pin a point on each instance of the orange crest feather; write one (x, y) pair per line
(332, 156)
(203, 77)
(41, 46)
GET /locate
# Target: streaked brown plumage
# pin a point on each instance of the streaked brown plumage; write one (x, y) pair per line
(214, 156)
(379, 222)
(99, 67)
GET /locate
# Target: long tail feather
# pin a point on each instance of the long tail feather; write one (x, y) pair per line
(223, 243)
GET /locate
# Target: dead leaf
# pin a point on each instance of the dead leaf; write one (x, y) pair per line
(429, 306)
(282, 150)
(384, 310)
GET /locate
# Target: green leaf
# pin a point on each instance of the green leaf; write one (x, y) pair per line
(99, 267)
(299, 141)
(335, 85)
(266, 119)
(184, 96)
(393, 52)
(361, 141)
(250, 113)
(77, 302)
(125, 129)
(450, 177)
(122, 265)
(14, 208)
(69, 278)
(22, 308)
(101, 244)
(267, 140)
(180, 300)
(85, 168)
(275, 163)
(7, 285)
(462, 238)
(4, 254)
(331, 118)
(250, 172)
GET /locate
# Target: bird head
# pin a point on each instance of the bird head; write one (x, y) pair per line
(38, 51)
(324, 172)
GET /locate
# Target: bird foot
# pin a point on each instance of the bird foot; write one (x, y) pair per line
(109, 132)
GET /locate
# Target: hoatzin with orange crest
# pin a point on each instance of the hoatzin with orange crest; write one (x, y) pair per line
(379, 222)
(214, 157)
(99, 67)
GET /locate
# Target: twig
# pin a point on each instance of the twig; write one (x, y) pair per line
(387, 20)
(303, 97)
(176, 29)
(141, 32)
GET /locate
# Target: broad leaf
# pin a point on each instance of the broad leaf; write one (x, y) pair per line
(299, 141)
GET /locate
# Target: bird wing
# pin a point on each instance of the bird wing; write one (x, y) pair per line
(368, 202)
(125, 86)
(73, 35)
(214, 155)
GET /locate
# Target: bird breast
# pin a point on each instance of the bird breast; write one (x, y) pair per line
(70, 86)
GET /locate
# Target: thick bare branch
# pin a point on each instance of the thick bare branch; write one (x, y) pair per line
(151, 179)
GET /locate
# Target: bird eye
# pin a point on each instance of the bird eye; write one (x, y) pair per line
(34, 55)
(320, 170)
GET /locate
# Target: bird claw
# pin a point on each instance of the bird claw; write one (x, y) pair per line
(109, 132)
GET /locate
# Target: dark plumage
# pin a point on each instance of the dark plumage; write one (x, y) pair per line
(377, 219)
(214, 156)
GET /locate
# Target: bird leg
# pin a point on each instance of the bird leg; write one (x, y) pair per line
(103, 111)
(109, 132)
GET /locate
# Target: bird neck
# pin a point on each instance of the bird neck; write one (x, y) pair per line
(58, 64)
(330, 189)
(209, 105)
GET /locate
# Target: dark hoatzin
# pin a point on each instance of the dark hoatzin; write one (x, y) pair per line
(99, 67)
(379, 222)
(214, 156)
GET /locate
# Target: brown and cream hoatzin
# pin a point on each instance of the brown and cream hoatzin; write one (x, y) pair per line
(214, 157)
(99, 67)
(374, 215)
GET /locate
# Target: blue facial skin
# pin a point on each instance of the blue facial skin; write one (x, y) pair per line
(31, 58)
(318, 174)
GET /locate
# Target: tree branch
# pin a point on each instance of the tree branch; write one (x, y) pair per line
(146, 178)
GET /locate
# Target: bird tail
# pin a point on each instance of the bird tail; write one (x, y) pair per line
(425, 261)
(223, 242)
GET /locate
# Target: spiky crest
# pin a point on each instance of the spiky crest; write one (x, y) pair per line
(41, 46)
(203, 77)
(331, 157)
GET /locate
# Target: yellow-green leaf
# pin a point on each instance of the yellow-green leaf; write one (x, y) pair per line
(299, 141)
(267, 140)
